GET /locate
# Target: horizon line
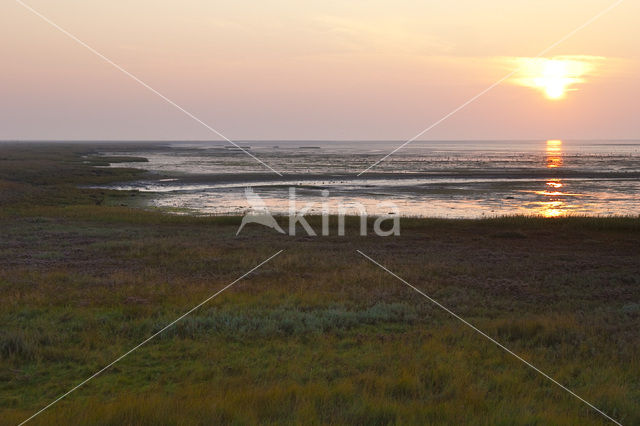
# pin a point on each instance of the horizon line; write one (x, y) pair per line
(316, 140)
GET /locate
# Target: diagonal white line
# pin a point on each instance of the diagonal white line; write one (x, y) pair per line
(149, 338)
(465, 104)
(109, 61)
(500, 345)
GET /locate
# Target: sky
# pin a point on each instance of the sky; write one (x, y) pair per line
(359, 69)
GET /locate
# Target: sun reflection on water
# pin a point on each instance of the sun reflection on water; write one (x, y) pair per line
(554, 153)
(552, 209)
(553, 205)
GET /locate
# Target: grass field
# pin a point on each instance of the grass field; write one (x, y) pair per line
(319, 335)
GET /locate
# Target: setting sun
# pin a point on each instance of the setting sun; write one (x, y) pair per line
(554, 79)
(556, 76)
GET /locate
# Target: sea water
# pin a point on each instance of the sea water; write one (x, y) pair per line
(457, 179)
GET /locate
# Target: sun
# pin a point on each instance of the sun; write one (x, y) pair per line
(554, 77)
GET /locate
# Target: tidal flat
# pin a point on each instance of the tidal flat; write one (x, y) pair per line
(318, 335)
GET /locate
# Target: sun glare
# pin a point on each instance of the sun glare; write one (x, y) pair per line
(554, 79)
(556, 76)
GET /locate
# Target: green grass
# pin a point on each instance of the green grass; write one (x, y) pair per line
(317, 336)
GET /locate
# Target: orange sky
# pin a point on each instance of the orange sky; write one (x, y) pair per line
(315, 69)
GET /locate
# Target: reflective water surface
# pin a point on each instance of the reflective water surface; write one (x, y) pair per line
(435, 179)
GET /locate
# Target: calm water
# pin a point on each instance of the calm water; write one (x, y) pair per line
(435, 179)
